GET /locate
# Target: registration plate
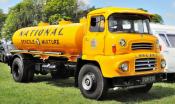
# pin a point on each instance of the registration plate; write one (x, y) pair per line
(148, 79)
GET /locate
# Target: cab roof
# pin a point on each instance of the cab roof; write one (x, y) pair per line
(119, 10)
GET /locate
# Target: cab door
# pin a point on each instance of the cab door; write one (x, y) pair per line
(94, 39)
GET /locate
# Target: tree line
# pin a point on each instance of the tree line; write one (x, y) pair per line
(31, 12)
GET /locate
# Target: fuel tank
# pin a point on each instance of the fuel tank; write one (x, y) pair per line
(65, 38)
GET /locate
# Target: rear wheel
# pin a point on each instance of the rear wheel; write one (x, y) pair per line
(91, 82)
(143, 89)
(22, 71)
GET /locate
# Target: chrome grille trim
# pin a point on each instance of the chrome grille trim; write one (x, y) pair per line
(145, 46)
(145, 64)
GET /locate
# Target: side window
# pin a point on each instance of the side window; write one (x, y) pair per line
(171, 38)
(97, 24)
(162, 36)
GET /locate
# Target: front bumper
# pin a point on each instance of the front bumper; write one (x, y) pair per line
(137, 80)
(110, 65)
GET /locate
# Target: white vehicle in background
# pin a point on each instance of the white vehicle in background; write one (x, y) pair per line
(166, 36)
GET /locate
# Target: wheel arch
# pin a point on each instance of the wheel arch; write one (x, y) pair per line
(21, 56)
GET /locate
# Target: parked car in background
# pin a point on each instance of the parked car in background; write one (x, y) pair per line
(1, 52)
(5, 48)
(166, 36)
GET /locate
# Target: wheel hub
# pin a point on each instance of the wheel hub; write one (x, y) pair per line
(88, 81)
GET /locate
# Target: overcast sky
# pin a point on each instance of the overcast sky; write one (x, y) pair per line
(166, 8)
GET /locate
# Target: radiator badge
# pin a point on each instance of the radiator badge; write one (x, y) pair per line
(146, 56)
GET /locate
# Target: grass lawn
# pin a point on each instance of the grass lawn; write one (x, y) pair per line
(44, 90)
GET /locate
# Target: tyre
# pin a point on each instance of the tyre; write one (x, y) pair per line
(143, 89)
(61, 73)
(91, 82)
(22, 71)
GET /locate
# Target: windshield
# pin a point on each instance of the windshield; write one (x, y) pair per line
(129, 23)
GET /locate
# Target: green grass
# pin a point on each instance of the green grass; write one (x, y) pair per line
(43, 90)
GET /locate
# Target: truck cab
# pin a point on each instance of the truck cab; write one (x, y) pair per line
(122, 37)
(121, 42)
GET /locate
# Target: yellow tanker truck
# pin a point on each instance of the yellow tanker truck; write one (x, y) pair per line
(112, 48)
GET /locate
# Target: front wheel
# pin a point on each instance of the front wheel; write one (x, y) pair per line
(143, 89)
(91, 82)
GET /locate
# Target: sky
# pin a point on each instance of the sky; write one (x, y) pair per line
(165, 8)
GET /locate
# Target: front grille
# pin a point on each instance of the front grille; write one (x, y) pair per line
(144, 46)
(145, 64)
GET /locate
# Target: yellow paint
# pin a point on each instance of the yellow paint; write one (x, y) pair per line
(75, 39)
(63, 22)
(64, 38)
(43, 24)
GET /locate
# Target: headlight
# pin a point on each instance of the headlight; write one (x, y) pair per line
(163, 64)
(122, 42)
(124, 67)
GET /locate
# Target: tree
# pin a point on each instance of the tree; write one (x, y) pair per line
(143, 9)
(38, 9)
(156, 18)
(18, 17)
(83, 13)
(55, 10)
(26, 13)
(2, 20)
(31, 12)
